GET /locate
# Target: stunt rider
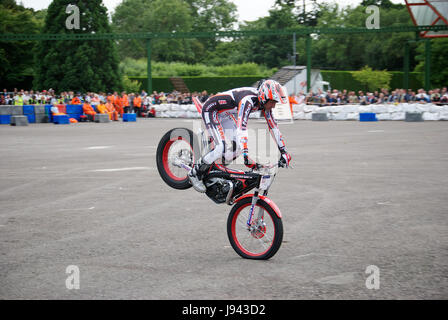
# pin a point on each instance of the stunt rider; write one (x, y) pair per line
(225, 116)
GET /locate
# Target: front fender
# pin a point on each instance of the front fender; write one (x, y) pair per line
(265, 199)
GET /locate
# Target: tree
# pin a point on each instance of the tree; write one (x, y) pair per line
(373, 79)
(156, 16)
(16, 58)
(274, 51)
(352, 51)
(439, 56)
(77, 65)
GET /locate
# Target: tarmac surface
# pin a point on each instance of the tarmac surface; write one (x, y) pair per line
(89, 195)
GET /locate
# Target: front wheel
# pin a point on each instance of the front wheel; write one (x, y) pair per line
(260, 240)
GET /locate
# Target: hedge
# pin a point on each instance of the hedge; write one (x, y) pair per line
(344, 80)
(211, 84)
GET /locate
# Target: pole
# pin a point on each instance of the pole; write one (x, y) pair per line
(406, 66)
(294, 58)
(149, 84)
(427, 65)
(308, 63)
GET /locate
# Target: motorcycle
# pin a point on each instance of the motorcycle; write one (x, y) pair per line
(254, 224)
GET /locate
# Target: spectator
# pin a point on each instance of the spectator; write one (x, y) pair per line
(18, 100)
(125, 102)
(113, 114)
(55, 110)
(371, 98)
(89, 111)
(381, 99)
(204, 96)
(422, 97)
(137, 103)
(362, 98)
(76, 99)
(352, 98)
(444, 96)
(392, 98)
(435, 95)
(118, 104)
(162, 98)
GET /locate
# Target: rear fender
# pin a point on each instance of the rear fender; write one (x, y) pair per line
(265, 199)
(198, 104)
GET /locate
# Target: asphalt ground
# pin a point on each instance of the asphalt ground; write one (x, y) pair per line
(89, 195)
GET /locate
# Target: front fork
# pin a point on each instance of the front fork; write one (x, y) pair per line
(260, 215)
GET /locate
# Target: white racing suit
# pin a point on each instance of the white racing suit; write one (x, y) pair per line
(225, 116)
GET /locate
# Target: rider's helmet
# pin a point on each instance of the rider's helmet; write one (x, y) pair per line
(271, 90)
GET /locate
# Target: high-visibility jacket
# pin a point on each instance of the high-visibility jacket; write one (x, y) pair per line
(88, 109)
(101, 108)
(118, 102)
(113, 114)
(76, 100)
(125, 100)
(18, 101)
(137, 102)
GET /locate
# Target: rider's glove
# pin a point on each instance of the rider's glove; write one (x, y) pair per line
(249, 163)
(285, 158)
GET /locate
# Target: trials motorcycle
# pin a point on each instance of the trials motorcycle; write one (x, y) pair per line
(254, 224)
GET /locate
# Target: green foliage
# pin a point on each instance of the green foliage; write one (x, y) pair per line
(131, 85)
(344, 80)
(77, 65)
(132, 67)
(353, 51)
(172, 16)
(373, 79)
(16, 58)
(211, 84)
(439, 58)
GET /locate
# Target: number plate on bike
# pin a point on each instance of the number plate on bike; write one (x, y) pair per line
(265, 182)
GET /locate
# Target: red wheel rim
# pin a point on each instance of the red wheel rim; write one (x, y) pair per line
(257, 233)
(165, 159)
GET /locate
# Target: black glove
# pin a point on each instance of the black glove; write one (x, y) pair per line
(285, 158)
(249, 163)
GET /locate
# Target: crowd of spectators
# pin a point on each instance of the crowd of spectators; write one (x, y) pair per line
(336, 97)
(141, 103)
(123, 102)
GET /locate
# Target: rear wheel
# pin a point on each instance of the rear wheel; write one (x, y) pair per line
(262, 239)
(176, 146)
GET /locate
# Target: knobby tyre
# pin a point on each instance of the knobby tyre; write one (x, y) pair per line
(265, 241)
(180, 143)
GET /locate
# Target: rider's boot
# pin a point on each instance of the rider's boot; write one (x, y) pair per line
(197, 174)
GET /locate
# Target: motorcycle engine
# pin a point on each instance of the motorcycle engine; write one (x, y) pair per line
(217, 189)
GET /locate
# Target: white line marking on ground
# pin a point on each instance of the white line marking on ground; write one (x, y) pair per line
(98, 147)
(374, 131)
(123, 169)
(77, 209)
